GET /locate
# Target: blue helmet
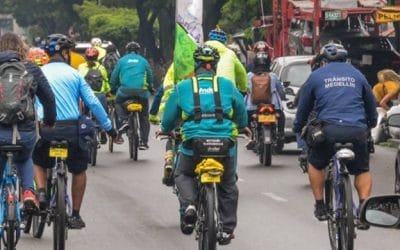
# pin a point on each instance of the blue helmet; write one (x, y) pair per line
(333, 52)
(217, 35)
(55, 43)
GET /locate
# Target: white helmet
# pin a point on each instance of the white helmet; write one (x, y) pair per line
(96, 42)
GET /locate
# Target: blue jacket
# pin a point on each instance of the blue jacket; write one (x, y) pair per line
(276, 89)
(181, 105)
(42, 91)
(69, 88)
(340, 95)
(132, 72)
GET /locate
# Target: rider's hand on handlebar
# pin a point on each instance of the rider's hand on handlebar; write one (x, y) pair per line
(247, 132)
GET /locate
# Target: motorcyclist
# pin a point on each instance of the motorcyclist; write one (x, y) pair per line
(182, 104)
(346, 110)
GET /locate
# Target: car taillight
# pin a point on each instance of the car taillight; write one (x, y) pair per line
(306, 41)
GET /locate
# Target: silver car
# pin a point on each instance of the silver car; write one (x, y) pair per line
(293, 71)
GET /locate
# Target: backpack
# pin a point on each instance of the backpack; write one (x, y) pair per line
(95, 79)
(261, 88)
(109, 62)
(16, 100)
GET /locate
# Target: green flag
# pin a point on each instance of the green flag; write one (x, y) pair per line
(185, 45)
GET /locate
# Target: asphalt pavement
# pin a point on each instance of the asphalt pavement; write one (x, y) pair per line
(127, 207)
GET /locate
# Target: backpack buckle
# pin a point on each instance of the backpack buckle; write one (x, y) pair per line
(197, 114)
(20, 116)
(219, 114)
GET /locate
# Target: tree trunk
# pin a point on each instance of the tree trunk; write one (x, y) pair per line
(211, 15)
(166, 20)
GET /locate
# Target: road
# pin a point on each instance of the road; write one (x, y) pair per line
(127, 207)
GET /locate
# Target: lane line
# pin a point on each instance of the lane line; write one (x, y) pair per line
(275, 197)
(240, 180)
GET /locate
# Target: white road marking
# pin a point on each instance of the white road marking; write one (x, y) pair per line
(240, 180)
(275, 197)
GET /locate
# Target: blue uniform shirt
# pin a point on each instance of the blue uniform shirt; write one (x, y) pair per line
(340, 95)
(69, 87)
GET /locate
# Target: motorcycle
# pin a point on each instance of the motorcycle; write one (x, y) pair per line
(264, 128)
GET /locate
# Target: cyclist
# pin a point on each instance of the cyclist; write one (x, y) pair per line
(262, 64)
(229, 65)
(345, 106)
(96, 76)
(97, 43)
(132, 78)
(69, 88)
(181, 104)
(38, 56)
(110, 59)
(12, 48)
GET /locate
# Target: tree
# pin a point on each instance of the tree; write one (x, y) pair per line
(234, 19)
(49, 15)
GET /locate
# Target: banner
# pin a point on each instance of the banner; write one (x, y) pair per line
(188, 33)
(388, 14)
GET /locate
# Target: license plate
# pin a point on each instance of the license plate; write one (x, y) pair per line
(207, 178)
(333, 15)
(58, 152)
(267, 118)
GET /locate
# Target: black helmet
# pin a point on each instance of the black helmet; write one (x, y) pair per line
(111, 48)
(262, 63)
(206, 54)
(55, 43)
(132, 47)
(333, 52)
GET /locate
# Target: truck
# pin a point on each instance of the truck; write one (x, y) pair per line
(368, 29)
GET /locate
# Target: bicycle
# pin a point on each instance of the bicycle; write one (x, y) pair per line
(93, 142)
(58, 202)
(171, 156)
(209, 227)
(10, 213)
(339, 199)
(133, 132)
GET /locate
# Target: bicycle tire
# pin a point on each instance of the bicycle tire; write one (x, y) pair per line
(346, 222)
(133, 137)
(93, 154)
(397, 178)
(329, 202)
(110, 139)
(11, 217)
(28, 224)
(60, 217)
(209, 231)
(38, 224)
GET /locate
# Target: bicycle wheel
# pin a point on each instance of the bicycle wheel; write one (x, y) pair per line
(38, 224)
(330, 206)
(95, 147)
(60, 216)
(133, 137)
(346, 222)
(110, 139)
(397, 178)
(11, 218)
(28, 222)
(208, 234)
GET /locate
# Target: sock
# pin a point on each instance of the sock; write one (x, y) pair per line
(319, 202)
(75, 213)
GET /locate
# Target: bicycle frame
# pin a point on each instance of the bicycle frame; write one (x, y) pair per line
(10, 177)
(60, 168)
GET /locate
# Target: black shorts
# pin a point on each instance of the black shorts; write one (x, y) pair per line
(78, 157)
(320, 156)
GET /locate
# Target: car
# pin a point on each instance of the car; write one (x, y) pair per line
(292, 71)
(80, 47)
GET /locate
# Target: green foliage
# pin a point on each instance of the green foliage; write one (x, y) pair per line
(118, 25)
(238, 15)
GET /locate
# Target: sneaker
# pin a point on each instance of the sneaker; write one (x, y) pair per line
(154, 119)
(190, 215)
(251, 145)
(76, 222)
(168, 178)
(124, 127)
(103, 137)
(225, 238)
(186, 229)
(362, 225)
(41, 195)
(119, 139)
(143, 146)
(31, 204)
(321, 212)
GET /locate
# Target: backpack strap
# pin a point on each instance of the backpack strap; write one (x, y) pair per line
(15, 134)
(219, 113)
(196, 99)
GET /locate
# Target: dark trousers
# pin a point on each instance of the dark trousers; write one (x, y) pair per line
(227, 191)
